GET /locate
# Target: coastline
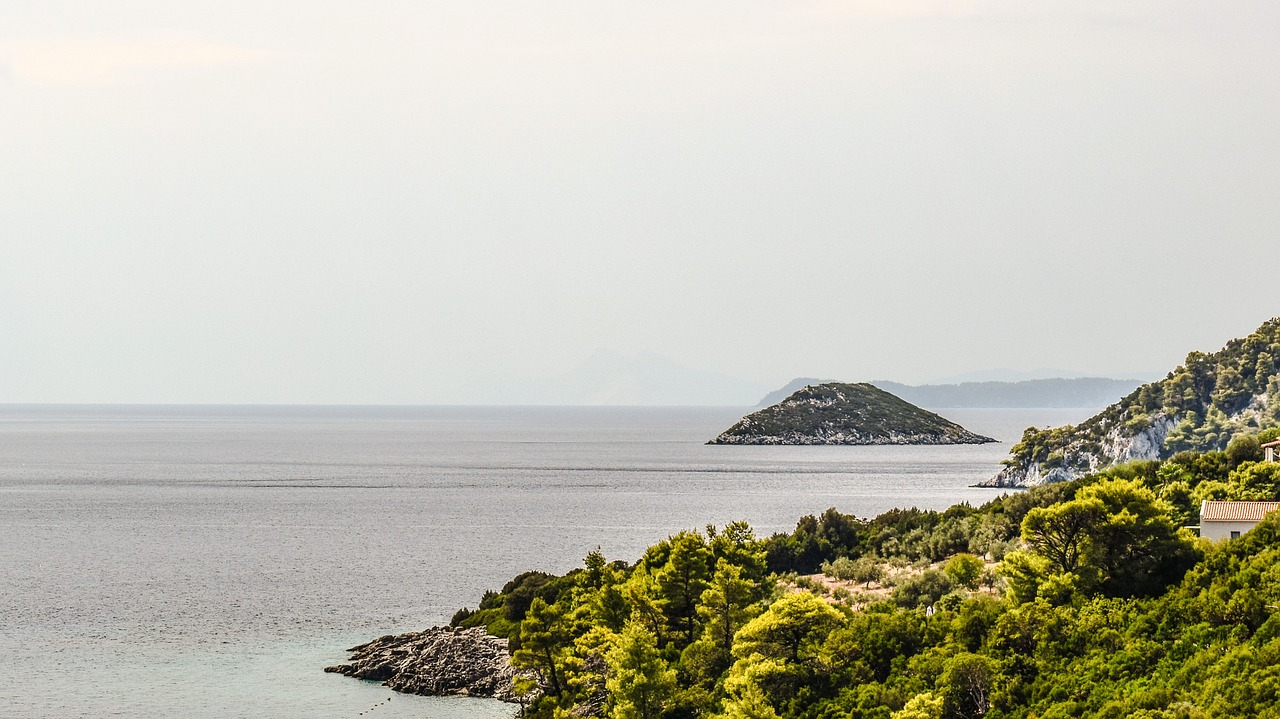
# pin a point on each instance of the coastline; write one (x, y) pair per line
(291, 538)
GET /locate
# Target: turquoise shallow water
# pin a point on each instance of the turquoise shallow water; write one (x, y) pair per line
(239, 679)
(208, 561)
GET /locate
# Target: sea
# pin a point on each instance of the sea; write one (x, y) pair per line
(207, 562)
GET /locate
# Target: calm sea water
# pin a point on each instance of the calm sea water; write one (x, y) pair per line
(207, 562)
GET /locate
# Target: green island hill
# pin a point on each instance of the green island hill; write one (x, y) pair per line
(838, 413)
(1086, 598)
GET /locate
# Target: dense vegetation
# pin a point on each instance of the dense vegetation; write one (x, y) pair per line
(1091, 602)
(1197, 407)
(837, 413)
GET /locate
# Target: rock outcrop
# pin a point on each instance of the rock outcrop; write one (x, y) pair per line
(836, 413)
(441, 661)
(1118, 447)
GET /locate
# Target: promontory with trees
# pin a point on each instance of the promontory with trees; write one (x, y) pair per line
(1075, 599)
(1088, 597)
(1199, 406)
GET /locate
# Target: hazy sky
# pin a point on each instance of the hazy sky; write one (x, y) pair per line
(395, 201)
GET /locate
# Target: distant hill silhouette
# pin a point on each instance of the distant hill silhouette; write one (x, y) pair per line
(1027, 394)
(789, 389)
(1032, 393)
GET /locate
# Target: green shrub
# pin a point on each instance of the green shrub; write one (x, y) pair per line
(864, 570)
(923, 589)
(1244, 448)
(965, 570)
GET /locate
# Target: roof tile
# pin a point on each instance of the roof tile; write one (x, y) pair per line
(1212, 511)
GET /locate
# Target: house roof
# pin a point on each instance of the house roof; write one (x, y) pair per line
(1212, 511)
(1272, 444)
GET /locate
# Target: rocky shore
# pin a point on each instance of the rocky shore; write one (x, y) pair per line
(826, 436)
(441, 661)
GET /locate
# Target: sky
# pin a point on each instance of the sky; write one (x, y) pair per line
(416, 202)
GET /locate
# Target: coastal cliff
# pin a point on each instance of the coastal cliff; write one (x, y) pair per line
(1118, 447)
(1197, 407)
(441, 661)
(836, 413)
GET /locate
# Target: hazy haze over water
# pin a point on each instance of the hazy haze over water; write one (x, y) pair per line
(207, 562)
(391, 202)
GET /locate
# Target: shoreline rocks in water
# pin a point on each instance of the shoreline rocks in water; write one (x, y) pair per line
(440, 661)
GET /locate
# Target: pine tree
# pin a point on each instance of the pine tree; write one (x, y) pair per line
(681, 582)
(543, 639)
(640, 683)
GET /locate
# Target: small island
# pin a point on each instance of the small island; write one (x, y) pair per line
(839, 413)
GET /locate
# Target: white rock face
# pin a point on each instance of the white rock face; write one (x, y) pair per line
(1117, 448)
(1147, 444)
(1032, 475)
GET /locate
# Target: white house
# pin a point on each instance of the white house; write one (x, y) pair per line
(1229, 520)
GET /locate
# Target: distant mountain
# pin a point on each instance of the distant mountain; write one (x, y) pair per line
(1028, 394)
(835, 413)
(789, 389)
(1006, 374)
(1198, 406)
(614, 378)
(1034, 393)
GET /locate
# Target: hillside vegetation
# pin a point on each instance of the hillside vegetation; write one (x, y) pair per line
(1077, 599)
(836, 413)
(1199, 406)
